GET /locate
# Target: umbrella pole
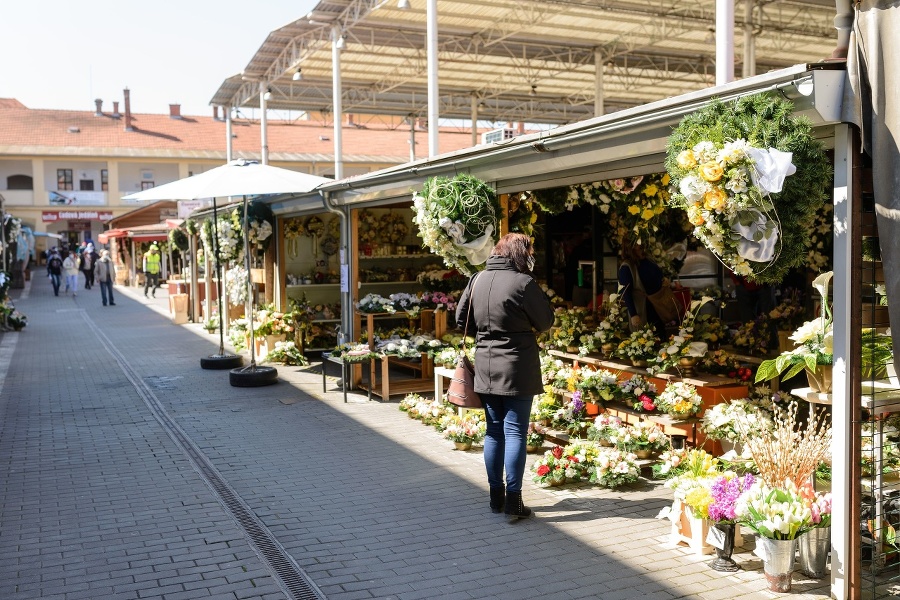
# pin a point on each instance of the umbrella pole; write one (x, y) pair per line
(246, 232)
(218, 277)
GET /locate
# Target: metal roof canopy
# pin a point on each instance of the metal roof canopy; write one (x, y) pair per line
(631, 142)
(519, 60)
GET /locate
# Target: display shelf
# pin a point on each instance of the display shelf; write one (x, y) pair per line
(878, 397)
(398, 256)
(406, 283)
(322, 286)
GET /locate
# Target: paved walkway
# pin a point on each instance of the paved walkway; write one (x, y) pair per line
(129, 472)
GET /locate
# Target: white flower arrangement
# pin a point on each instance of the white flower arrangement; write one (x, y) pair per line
(734, 420)
(640, 345)
(612, 468)
(642, 435)
(408, 303)
(375, 303)
(236, 285)
(258, 231)
(679, 400)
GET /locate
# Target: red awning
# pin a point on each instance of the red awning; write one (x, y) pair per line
(104, 237)
(149, 237)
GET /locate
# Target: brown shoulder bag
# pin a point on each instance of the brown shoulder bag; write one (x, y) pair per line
(462, 385)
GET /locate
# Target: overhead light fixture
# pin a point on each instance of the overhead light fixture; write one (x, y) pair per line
(533, 91)
(403, 4)
(340, 42)
(268, 94)
(298, 75)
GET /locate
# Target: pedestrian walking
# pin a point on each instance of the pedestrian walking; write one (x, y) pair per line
(151, 269)
(86, 264)
(105, 270)
(508, 306)
(70, 268)
(55, 269)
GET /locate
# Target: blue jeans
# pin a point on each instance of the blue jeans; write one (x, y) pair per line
(55, 280)
(504, 445)
(106, 290)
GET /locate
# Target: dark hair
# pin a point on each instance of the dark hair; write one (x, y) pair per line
(516, 247)
(631, 251)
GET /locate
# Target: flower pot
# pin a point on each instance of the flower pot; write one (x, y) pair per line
(572, 349)
(814, 546)
(638, 362)
(778, 562)
(556, 481)
(820, 379)
(591, 409)
(532, 448)
(687, 364)
(607, 349)
(688, 529)
(605, 443)
(723, 534)
(643, 453)
(463, 445)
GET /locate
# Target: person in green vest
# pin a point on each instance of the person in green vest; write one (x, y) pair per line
(151, 269)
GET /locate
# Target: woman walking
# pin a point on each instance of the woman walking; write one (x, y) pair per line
(70, 268)
(508, 306)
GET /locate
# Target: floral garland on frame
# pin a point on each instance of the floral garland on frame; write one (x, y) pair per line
(723, 162)
(458, 219)
(230, 241)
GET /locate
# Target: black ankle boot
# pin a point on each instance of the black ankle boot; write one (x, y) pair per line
(497, 497)
(515, 509)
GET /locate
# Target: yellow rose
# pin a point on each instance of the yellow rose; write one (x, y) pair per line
(648, 214)
(711, 171)
(666, 179)
(715, 199)
(634, 209)
(534, 217)
(650, 190)
(696, 218)
(686, 159)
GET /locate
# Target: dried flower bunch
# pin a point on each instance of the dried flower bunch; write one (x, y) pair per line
(788, 453)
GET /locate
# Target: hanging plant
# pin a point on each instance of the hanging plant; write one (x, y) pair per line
(258, 226)
(230, 241)
(179, 239)
(750, 177)
(522, 214)
(191, 227)
(458, 220)
(553, 200)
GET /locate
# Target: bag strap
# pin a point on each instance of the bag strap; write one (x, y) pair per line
(468, 313)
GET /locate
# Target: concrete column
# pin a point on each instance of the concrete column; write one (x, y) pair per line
(599, 94)
(724, 41)
(337, 103)
(749, 69)
(263, 133)
(431, 35)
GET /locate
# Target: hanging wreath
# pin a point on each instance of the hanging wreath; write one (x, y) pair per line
(458, 219)
(750, 177)
(368, 227)
(392, 228)
(179, 239)
(191, 227)
(230, 241)
(258, 226)
(314, 228)
(294, 228)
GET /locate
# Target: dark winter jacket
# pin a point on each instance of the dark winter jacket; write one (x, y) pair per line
(507, 307)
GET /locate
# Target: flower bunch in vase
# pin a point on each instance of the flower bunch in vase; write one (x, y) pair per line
(436, 299)
(814, 345)
(640, 393)
(668, 463)
(572, 415)
(640, 346)
(447, 356)
(613, 468)
(776, 513)
(724, 494)
(551, 468)
(605, 428)
(679, 400)
(820, 505)
(598, 385)
(683, 345)
(464, 430)
(408, 303)
(641, 438)
(692, 466)
(614, 326)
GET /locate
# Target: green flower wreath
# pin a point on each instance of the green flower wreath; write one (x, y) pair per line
(463, 204)
(761, 121)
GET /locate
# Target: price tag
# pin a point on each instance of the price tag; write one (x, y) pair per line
(716, 538)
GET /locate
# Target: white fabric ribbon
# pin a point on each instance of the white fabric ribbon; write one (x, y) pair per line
(757, 241)
(772, 168)
(478, 250)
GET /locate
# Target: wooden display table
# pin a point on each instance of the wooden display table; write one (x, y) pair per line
(713, 389)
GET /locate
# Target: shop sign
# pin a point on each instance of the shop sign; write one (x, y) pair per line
(77, 198)
(72, 215)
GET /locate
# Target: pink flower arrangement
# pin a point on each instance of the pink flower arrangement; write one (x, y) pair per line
(433, 299)
(725, 493)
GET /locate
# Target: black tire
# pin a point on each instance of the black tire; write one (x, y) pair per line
(221, 361)
(253, 376)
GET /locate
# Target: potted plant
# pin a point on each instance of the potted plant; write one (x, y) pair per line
(679, 400)
(640, 346)
(877, 352)
(605, 429)
(614, 326)
(639, 393)
(732, 421)
(642, 439)
(682, 351)
(463, 431)
(17, 320)
(534, 439)
(286, 353)
(211, 325)
(550, 469)
(814, 349)
(613, 468)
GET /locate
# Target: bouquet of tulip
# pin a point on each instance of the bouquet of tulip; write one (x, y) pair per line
(640, 393)
(778, 513)
(820, 509)
(679, 400)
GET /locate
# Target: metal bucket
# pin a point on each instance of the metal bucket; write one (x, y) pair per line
(814, 547)
(778, 562)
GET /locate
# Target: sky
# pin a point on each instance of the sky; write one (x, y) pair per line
(62, 54)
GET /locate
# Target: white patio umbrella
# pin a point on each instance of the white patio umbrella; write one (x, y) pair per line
(236, 178)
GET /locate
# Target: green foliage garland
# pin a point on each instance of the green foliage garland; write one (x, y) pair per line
(764, 121)
(179, 239)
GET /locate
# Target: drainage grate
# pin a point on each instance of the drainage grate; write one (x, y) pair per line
(294, 582)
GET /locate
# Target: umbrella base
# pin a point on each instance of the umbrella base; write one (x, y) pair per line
(253, 376)
(221, 361)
